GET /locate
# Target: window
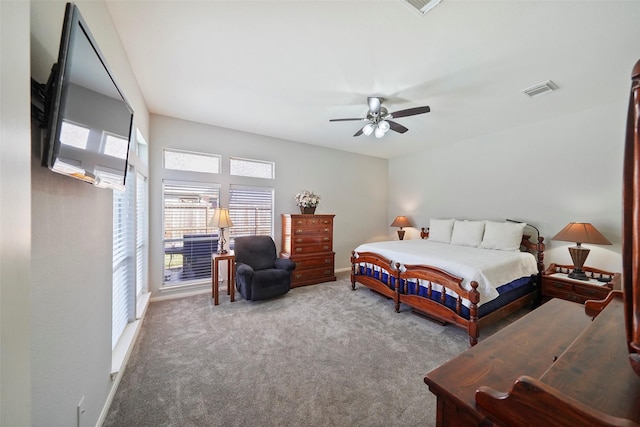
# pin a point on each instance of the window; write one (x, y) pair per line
(192, 162)
(251, 168)
(189, 240)
(251, 211)
(123, 307)
(142, 233)
(130, 256)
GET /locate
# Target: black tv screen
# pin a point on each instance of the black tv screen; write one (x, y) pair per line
(89, 121)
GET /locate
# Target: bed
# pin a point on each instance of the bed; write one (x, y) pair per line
(469, 278)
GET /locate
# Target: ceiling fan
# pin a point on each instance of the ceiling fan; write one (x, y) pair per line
(379, 118)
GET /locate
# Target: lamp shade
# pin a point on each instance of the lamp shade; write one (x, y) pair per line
(581, 232)
(401, 221)
(368, 129)
(221, 218)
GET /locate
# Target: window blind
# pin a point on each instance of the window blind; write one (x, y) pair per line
(251, 211)
(123, 299)
(142, 227)
(189, 240)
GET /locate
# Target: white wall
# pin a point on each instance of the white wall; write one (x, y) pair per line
(71, 248)
(352, 186)
(15, 216)
(548, 174)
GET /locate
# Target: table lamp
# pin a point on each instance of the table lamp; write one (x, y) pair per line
(401, 221)
(221, 220)
(580, 232)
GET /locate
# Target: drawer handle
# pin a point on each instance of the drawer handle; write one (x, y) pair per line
(298, 276)
(298, 231)
(326, 247)
(299, 222)
(326, 239)
(327, 261)
(327, 272)
(558, 285)
(298, 240)
(326, 230)
(313, 221)
(298, 249)
(573, 298)
(589, 291)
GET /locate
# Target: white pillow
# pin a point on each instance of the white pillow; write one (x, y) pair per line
(440, 230)
(504, 236)
(467, 233)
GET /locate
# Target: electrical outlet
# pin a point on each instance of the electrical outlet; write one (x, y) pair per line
(81, 411)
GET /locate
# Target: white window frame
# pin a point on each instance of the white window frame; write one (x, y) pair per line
(254, 161)
(210, 156)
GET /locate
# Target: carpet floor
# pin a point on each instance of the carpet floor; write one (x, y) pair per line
(321, 355)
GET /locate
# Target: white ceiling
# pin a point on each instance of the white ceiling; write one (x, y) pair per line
(284, 68)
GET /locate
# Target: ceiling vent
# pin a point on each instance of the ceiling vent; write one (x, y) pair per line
(540, 88)
(423, 6)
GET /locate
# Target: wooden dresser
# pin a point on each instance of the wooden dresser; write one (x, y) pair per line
(308, 241)
(556, 347)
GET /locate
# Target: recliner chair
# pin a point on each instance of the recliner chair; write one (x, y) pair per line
(260, 274)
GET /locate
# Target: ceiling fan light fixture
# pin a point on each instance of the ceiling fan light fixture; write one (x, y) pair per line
(379, 132)
(384, 126)
(368, 129)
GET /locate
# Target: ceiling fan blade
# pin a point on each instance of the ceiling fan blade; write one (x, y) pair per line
(345, 120)
(397, 127)
(410, 112)
(374, 104)
(358, 133)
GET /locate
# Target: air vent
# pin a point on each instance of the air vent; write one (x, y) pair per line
(540, 88)
(423, 6)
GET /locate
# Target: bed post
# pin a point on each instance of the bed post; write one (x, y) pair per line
(396, 295)
(540, 254)
(474, 298)
(353, 270)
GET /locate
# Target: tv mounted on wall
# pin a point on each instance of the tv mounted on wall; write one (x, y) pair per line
(87, 118)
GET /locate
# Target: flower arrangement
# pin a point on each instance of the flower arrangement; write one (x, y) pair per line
(307, 199)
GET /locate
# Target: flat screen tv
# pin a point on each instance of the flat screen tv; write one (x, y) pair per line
(88, 120)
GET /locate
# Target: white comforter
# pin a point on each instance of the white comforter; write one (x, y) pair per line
(490, 268)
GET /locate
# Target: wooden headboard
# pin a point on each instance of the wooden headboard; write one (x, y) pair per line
(631, 223)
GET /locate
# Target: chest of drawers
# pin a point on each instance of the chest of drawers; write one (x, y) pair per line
(308, 241)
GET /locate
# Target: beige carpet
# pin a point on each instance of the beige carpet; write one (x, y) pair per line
(321, 355)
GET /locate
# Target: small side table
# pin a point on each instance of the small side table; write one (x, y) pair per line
(230, 258)
(557, 284)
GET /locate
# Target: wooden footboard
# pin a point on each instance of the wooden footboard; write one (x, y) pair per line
(379, 264)
(432, 279)
(394, 284)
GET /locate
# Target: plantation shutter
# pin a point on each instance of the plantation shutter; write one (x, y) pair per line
(251, 211)
(123, 299)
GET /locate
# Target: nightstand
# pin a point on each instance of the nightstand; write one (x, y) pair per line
(557, 284)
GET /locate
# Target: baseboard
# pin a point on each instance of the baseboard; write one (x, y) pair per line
(178, 294)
